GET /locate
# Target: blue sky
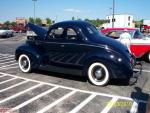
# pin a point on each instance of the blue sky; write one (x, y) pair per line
(65, 9)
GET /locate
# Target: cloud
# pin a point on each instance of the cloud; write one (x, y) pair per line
(73, 10)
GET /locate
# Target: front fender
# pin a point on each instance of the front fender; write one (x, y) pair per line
(30, 51)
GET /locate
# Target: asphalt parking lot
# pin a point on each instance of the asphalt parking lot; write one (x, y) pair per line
(49, 92)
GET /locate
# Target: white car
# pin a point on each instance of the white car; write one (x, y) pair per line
(5, 32)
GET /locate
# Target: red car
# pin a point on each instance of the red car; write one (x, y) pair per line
(140, 45)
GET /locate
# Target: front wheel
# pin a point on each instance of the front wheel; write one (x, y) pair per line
(25, 63)
(98, 74)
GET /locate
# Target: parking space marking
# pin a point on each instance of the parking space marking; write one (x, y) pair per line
(55, 86)
(9, 68)
(56, 102)
(6, 54)
(3, 76)
(3, 57)
(2, 90)
(82, 104)
(147, 71)
(7, 59)
(7, 62)
(8, 80)
(83, 91)
(134, 107)
(20, 93)
(33, 99)
(110, 105)
(9, 65)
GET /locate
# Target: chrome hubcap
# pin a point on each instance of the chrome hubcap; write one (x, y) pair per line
(98, 73)
(24, 63)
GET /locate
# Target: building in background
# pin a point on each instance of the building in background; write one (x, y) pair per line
(21, 21)
(120, 21)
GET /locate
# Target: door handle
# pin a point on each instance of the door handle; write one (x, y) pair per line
(62, 45)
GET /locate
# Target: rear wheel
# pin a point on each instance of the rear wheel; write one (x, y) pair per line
(148, 57)
(98, 74)
(25, 63)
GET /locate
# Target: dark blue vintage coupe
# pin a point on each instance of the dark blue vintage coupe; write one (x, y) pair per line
(75, 47)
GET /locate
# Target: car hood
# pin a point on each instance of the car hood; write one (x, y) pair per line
(111, 43)
(38, 30)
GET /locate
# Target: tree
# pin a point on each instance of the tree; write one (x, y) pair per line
(73, 18)
(38, 21)
(13, 23)
(49, 21)
(31, 20)
(7, 23)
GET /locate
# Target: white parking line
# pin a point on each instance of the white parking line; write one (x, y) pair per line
(148, 71)
(83, 91)
(7, 62)
(9, 68)
(8, 65)
(7, 59)
(2, 90)
(134, 107)
(33, 99)
(82, 104)
(109, 105)
(56, 102)
(3, 75)
(20, 93)
(8, 80)
(6, 55)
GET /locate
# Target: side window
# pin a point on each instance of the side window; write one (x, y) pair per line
(137, 35)
(71, 34)
(56, 33)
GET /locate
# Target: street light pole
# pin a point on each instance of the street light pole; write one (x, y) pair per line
(34, 9)
(113, 15)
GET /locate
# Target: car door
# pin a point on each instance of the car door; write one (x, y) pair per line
(138, 44)
(52, 46)
(73, 47)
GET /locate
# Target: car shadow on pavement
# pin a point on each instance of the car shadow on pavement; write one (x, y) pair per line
(139, 95)
(115, 82)
(63, 76)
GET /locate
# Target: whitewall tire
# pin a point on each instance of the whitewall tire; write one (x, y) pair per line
(98, 74)
(149, 57)
(24, 63)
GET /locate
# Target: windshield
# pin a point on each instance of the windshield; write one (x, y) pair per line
(116, 33)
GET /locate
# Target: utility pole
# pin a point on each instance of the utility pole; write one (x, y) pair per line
(113, 15)
(34, 1)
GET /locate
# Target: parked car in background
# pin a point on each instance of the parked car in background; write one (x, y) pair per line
(6, 32)
(140, 45)
(75, 47)
(19, 28)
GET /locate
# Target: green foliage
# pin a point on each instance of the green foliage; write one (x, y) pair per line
(7, 23)
(73, 18)
(49, 21)
(38, 21)
(97, 22)
(13, 23)
(31, 20)
(138, 23)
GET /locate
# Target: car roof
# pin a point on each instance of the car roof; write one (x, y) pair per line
(72, 22)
